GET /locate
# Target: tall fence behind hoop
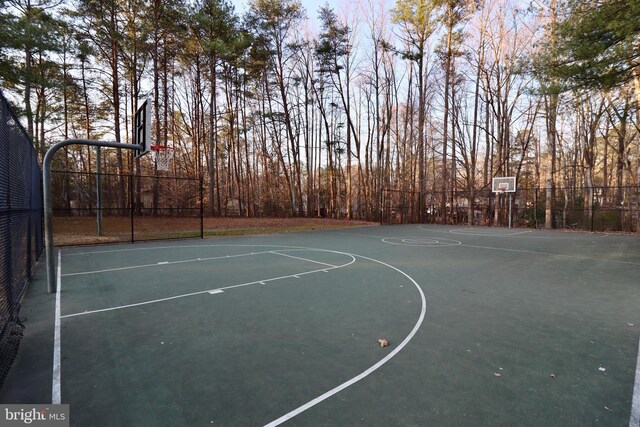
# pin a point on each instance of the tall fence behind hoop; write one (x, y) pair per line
(140, 208)
(580, 208)
(21, 240)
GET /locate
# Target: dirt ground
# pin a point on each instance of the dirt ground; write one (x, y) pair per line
(69, 231)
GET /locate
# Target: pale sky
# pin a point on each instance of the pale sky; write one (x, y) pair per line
(310, 6)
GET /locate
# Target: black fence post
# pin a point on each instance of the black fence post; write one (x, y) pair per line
(535, 207)
(201, 208)
(131, 207)
(593, 207)
(29, 236)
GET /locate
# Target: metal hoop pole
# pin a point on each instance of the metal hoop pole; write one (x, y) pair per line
(509, 210)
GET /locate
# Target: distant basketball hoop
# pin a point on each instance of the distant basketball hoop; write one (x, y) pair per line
(162, 156)
(505, 184)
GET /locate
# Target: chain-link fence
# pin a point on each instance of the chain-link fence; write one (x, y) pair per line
(91, 208)
(580, 208)
(21, 240)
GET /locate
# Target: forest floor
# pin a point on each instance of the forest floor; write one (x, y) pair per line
(69, 231)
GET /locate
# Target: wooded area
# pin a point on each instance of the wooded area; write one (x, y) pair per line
(282, 115)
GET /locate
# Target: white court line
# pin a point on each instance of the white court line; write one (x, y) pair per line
(209, 291)
(56, 396)
(488, 233)
(107, 270)
(520, 234)
(634, 421)
(111, 251)
(422, 242)
(373, 368)
(550, 254)
(303, 259)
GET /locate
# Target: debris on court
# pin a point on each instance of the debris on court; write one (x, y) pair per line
(383, 342)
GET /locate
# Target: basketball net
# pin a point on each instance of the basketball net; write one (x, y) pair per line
(162, 157)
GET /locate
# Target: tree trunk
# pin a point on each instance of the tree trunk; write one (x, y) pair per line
(445, 140)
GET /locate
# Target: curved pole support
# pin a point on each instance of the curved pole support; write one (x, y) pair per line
(46, 193)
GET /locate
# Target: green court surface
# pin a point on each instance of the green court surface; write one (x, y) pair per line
(487, 326)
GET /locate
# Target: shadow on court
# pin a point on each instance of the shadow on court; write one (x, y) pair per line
(486, 327)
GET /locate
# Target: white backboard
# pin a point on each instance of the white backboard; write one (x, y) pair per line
(504, 184)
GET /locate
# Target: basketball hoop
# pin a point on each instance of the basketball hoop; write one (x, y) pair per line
(162, 156)
(503, 185)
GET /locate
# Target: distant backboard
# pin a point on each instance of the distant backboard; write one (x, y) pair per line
(504, 184)
(142, 127)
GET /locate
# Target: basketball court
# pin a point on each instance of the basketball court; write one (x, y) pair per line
(486, 326)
